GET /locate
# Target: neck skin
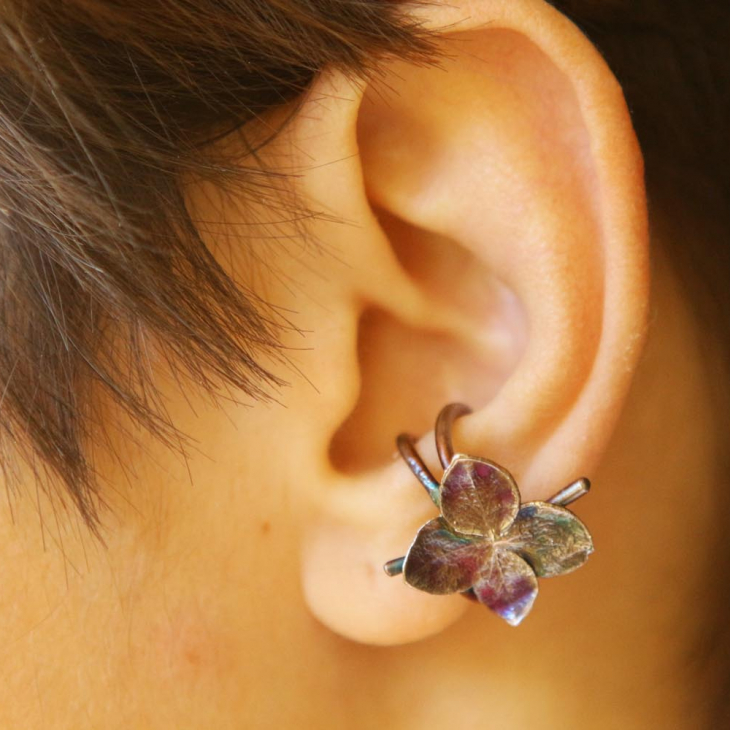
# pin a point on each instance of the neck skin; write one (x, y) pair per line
(176, 625)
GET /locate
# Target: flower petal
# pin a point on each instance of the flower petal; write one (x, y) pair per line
(478, 497)
(507, 585)
(440, 562)
(551, 538)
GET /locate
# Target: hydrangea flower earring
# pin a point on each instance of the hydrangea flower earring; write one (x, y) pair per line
(486, 544)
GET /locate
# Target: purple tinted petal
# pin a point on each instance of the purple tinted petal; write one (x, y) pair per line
(551, 538)
(507, 585)
(440, 562)
(478, 497)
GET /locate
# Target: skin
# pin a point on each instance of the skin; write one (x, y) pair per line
(242, 585)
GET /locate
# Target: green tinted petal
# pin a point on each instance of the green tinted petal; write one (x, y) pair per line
(551, 538)
(507, 585)
(440, 562)
(478, 497)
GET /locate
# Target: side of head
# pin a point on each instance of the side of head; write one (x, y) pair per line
(244, 247)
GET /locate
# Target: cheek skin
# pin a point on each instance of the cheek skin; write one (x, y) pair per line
(184, 665)
(186, 646)
(206, 584)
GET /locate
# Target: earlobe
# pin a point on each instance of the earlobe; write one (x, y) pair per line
(516, 157)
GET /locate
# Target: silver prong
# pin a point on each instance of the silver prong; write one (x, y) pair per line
(574, 490)
(395, 566)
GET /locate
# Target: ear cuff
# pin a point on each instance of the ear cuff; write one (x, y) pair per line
(486, 544)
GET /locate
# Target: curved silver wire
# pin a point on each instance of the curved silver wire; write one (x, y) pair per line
(407, 448)
(444, 423)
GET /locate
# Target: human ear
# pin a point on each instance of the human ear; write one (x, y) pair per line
(499, 258)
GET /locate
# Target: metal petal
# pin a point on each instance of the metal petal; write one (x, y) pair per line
(507, 585)
(441, 562)
(551, 538)
(478, 497)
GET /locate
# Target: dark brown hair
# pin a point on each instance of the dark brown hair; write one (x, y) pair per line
(106, 104)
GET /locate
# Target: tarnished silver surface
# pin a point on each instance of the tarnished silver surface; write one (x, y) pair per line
(486, 545)
(507, 585)
(552, 539)
(442, 561)
(478, 497)
(485, 541)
